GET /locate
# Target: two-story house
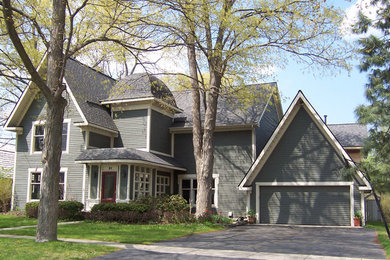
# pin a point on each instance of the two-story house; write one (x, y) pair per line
(133, 137)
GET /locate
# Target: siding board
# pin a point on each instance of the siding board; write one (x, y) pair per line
(160, 138)
(233, 157)
(25, 160)
(133, 127)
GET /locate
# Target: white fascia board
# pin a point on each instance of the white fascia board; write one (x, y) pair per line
(306, 183)
(92, 126)
(18, 129)
(130, 162)
(270, 145)
(72, 97)
(19, 105)
(332, 139)
(118, 101)
(221, 128)
(133, 100)
(300, 100)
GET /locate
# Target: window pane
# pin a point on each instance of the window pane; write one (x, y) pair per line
(35, 191)
(94, 181)
(186, 184)
(64, 136)
(186, 195)
(61, 192)
(39, 130)
(36, 177)
(38, 143)
(62, 177)
(194, 184)
(123, 182)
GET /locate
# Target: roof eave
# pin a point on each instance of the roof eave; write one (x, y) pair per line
(218, 128)
(90, 161)
(136, 100)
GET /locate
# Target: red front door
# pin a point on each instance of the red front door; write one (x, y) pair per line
(108, 186)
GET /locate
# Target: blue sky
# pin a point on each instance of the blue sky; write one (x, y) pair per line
(337, 95)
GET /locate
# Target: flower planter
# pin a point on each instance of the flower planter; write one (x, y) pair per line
(356, 222)
(251, 220)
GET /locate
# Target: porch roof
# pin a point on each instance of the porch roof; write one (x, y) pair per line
(127, 155)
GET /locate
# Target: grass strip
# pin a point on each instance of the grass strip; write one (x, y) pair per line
(132, 234)
(15, 221)
(382, 235)
(13, 248)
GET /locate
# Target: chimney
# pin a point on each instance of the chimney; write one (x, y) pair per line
(325, 119)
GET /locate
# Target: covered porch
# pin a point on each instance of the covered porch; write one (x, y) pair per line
(123, 174)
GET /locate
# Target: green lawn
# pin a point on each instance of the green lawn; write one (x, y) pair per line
(382, 235)
(133, 234)
(12, 248)
(15, 221)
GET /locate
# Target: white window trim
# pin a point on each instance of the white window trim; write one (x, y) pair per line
(31, 170)
(193, 176)
(43, 122)
(311, 184)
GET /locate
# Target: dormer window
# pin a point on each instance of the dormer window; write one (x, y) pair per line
(38, 136)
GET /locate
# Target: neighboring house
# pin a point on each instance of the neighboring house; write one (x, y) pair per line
(133, 137)
(7, 156)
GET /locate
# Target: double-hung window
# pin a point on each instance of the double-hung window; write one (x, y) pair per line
(35, 184)
(188, 189)
(38, 136)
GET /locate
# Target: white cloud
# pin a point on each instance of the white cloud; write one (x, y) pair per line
(351, 18)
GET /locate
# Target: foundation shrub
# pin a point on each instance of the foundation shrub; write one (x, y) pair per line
(124, 217)
(133, 206)
(68, 210)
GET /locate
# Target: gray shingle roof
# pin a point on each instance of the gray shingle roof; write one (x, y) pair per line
(349, 135)
(88, 87)
(141, 85)
(102, 154)
(230, 111)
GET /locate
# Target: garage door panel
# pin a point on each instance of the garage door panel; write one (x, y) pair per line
(305, 205)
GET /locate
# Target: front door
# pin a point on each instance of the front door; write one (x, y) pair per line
(108, 186)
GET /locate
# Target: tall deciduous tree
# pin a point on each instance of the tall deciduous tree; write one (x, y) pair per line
(235, 42)
(62, 29)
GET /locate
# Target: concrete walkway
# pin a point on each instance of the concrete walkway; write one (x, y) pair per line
(253, 242)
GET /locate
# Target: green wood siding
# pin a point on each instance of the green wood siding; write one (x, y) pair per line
(303, 154)
(132, 127)
(233, 157)
(25, 160)
(160, 138)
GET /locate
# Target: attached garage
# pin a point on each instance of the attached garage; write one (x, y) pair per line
(305, 205)
(297, 178)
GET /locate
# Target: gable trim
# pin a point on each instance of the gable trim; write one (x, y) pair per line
(26, 106)
(298, 102)
(72, 97)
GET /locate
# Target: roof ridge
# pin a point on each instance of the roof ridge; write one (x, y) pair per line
(347, 124)
(89, 67)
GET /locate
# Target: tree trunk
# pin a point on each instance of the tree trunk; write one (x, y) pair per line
(51, 155)
(205, 174)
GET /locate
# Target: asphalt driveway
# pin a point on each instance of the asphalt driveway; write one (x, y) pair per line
(264, 242)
